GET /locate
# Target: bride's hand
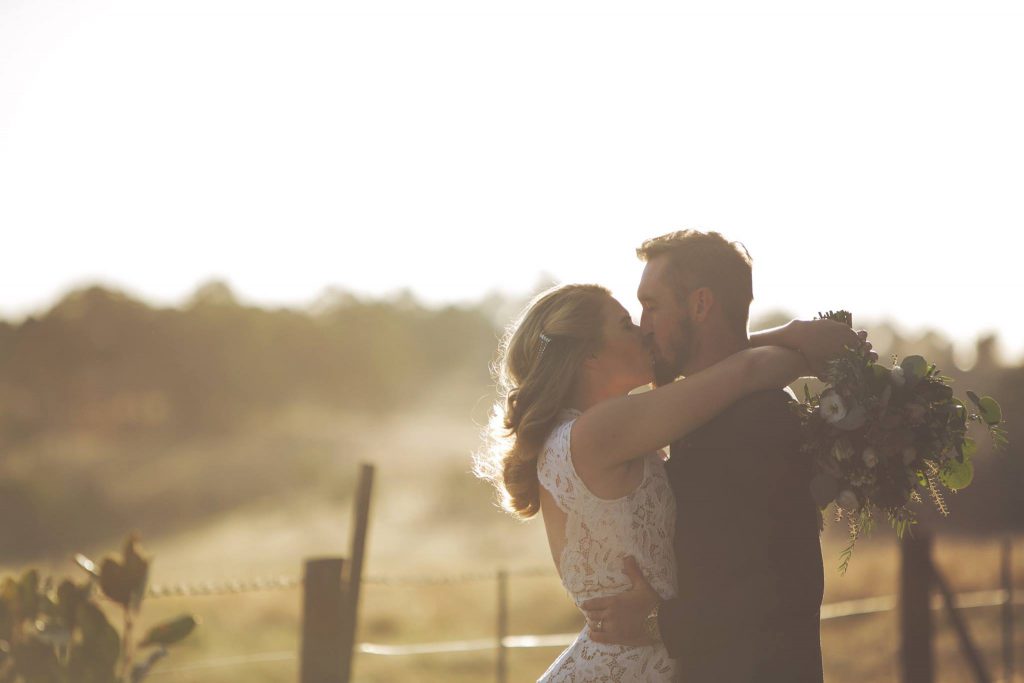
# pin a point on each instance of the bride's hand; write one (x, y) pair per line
(821, 340)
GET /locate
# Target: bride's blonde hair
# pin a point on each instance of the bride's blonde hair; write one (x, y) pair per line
(535, 379)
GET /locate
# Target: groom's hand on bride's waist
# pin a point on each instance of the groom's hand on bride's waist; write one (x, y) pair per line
(619, 619)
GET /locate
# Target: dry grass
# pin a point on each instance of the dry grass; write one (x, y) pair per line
(430, 517)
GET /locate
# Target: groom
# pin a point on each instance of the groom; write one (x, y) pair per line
(748, 555)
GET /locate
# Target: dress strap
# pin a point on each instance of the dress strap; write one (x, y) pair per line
(554, 467)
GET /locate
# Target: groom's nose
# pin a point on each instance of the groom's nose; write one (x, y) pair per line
(646, 327)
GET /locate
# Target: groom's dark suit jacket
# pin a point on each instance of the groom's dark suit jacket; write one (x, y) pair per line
(747, 550)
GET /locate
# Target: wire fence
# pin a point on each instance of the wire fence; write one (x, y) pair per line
(258, 585)
(829, 612)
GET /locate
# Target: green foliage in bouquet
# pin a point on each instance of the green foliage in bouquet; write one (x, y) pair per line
(60, 634)
(882, 438)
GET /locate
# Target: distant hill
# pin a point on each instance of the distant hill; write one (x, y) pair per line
(100, 360)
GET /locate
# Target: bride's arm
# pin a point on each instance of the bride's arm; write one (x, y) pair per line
(623, 428)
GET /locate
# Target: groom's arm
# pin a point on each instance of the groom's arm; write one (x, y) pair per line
(685, 625)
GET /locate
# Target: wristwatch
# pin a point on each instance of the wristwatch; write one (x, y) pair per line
(651, 626)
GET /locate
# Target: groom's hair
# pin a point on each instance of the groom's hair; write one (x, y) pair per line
(707, 259)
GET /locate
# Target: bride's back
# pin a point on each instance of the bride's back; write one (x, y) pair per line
(589, 535)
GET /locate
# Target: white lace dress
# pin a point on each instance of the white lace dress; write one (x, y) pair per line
(599, 534)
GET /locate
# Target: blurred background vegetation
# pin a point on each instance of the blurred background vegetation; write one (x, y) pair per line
(228, 435)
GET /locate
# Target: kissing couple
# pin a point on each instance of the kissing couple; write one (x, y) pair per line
(701, 564)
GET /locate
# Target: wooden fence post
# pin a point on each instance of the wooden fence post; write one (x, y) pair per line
(1007, 580)
(915, 608)
(354, 575)
(967, 646)
(502, 673)
(322, 617)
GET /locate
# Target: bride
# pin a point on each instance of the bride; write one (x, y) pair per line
(567, 440)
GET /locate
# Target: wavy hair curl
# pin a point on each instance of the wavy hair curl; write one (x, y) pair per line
(535, 380)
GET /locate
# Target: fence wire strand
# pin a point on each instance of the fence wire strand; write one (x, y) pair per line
(236, 586)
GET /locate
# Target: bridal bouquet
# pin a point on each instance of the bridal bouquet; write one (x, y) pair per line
(882, 438)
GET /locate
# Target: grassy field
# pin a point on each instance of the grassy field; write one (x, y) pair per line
(431, 518)
(855, 648)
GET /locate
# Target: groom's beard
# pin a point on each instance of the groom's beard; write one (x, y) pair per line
(668, 370)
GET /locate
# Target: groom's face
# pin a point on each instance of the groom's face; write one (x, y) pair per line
(666, 325)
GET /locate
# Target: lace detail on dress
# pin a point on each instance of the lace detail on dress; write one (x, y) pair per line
(599, 534)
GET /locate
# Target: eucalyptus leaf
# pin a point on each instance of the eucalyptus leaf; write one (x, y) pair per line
(957, 475)
(991, 413)
(915, 366)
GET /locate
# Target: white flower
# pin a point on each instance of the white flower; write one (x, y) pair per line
(848, 500)
(909, 455)
(832, 407)
(870, 457)
(842, 450)
(898, 378)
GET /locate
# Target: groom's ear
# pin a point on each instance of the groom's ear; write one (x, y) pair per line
(701, 302)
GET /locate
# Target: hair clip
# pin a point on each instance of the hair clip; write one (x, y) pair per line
(544, 341)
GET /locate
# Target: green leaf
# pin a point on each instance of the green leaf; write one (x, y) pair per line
(115, 582)
(125, 583)
(991, 413)
(970, 447)
(974, 398)
(957, 475)
(915, 366)
(170, 632)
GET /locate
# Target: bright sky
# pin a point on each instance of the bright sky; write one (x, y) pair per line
(868, 154)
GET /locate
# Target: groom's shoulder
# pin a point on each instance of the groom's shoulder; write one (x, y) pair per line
(768, 399)
(768, 410)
